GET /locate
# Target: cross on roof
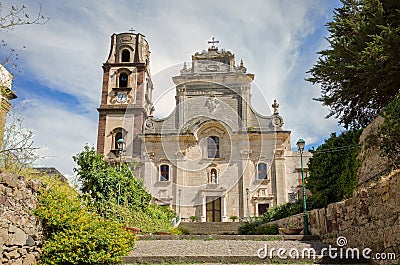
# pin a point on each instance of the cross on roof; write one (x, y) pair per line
(132, 30)
(213, 41)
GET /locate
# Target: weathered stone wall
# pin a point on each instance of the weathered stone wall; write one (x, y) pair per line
(370, 219)
(373, 164)
(20, 231)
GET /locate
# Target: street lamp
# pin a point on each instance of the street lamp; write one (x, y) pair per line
(300, 146)
(120, 145)
(179, 202)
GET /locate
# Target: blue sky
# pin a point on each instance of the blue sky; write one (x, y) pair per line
(60, 81)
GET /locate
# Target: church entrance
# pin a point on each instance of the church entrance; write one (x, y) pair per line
(262, 208)
(213, 209)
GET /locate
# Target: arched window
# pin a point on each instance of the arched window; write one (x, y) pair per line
(213, 147)
(213, 176)
(123, 80)
(125, 56)
(118, 135)
(262, 171)
(164, 173)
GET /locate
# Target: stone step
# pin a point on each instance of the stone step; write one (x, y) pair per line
(217, 228)
(232, 237)
(227, 252)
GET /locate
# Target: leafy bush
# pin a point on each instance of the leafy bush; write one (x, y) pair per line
(114, 193)
(104, 183)
(258, 228)
(249, 228)
(154, 218)
(282, 211)
(179, 231)
(73, 235)
(266, 229)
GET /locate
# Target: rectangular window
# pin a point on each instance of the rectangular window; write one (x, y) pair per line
(262, 171)
(164, 173)
(213, 147)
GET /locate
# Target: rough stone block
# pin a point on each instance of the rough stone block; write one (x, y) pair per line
(30, 242)
(18, 238)
(13, 254)
(29, 259)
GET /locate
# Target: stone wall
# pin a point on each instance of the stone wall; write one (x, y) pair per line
(370, 219)
(20, 231)
(373, 164)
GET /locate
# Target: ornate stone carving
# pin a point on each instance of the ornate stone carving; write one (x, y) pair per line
(212, 103)
(149, 125)
(277, 121)
(275, 106)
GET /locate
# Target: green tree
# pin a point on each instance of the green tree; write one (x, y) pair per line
(333, 167)
(104, 183)
(389, 132)
(360, 72)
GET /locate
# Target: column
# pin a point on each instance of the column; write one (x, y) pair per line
(224, 217)
(204, 210)
(280, 177)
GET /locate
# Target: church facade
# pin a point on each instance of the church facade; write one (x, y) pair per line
(214, 156)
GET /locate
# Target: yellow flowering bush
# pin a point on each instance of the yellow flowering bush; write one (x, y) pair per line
(73, 235)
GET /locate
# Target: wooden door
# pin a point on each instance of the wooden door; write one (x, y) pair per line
(213, 208)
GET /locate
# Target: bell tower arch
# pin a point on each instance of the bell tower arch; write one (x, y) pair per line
(126, 95)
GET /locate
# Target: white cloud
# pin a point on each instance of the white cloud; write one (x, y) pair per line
(272, 37)
(60, 133)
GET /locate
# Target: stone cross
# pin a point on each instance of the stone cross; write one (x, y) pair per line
(213, 41)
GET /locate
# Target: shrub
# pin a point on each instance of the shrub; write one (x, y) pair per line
(103, 183)
(266, 229)
(154, 218)
(179, 231)
(73, 235)
(281, 211)
(249, 228)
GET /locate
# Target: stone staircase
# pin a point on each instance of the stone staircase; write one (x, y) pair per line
(215, 243)
(220, 228)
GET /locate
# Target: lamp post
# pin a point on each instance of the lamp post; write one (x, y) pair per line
(120, 145)
(300, 146)
(179, 202)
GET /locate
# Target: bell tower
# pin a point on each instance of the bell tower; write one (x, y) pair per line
(126, 96)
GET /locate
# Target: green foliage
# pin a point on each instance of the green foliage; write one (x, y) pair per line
(153, 219)
(258, 228)
(389, 131)
(360, 72)
(179, 231)
(73, 235)
(193, 218)
(333, 168)
(266, 229)
(102, 184)
(233, 218)
(282, 211)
